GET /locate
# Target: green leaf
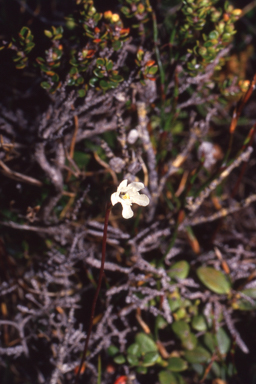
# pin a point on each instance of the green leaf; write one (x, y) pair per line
(104, 84)
(109, 65)
(48, 33)
(125, 10)
(216, 369)
(223, 341)
(160, 322)
(134, 349)
(199, 323)
(73, 61)
(198, 355)
(59, 30)
(181, 313)
(20, 65)
(189, 342)
(210, 341)
(243, 305)
(251, 292)
(142, 370)
(97, 17)
(175, 302)
(73, 71)
(198, 368)
(132, 359)
(93, 81)
(153, 70)
(117, 78)
(181, 329)
(55, 78)
(140, 54)
(80, 80)
(112, 85)
(57, 53)
(112, 350)
(150, 359)
(45, 85)
(57, 37)
(116, 45)
(176, 364)
(167, 377)
(213, 279)
(29, 47)
(179, 270)
(145, 343)
(81, 93)
(213, 35)
(97, 72)
(100, 62)
(25, 32)
(71, 82)
(120, 359)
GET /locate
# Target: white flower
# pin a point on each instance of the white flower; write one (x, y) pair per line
(127, 195)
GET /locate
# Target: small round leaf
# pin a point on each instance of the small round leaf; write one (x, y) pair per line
(167, 377)
(134, 349)
(119, 359)
(213, 279)
(176, 364)
(223, 341)
(145, 343)
(180, 328)
(199, 323)
(112, 350)
(150, 359)
(132, 359)
(179, 270)
(198, 355)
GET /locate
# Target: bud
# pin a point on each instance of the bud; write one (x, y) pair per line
(211, 50)
(237, 12)
(230, 8)
(115, 18)
(141, 8)
(189, 10)
(108, 15)
(202, 51)
(229, 28)
(215, 16)
(220, 27)
(244, 85)
(226, 37)
(213, 35)
(92, 10)
(132, 136)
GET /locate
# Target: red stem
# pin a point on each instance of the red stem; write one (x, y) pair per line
(103, 256)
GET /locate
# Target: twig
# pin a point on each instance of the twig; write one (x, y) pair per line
(72, 145)
(19, 176)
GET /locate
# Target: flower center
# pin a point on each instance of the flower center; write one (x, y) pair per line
(124, 196)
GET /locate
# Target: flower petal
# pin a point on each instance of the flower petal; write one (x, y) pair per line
(122, 185)
(136, 185)
(114, 198)
(142, 200)
(127, 212)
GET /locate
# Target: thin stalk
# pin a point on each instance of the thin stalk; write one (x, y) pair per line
(103, 256)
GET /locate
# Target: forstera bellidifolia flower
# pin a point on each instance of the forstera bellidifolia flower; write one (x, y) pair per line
(127, 195)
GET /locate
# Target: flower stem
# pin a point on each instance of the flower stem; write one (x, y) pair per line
(103, 256)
